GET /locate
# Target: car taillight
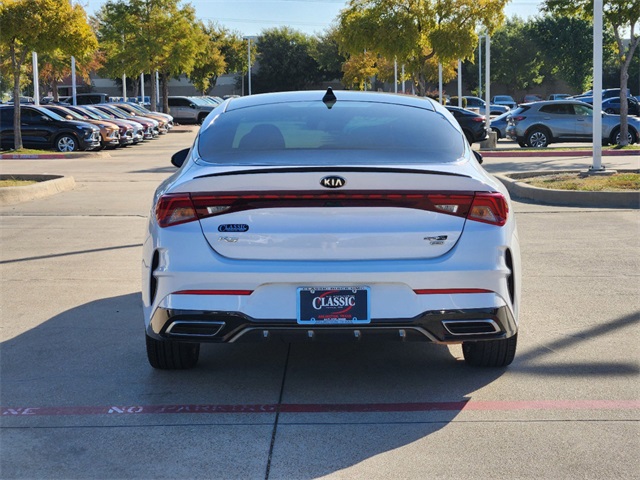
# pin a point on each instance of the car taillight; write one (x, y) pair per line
(519, 118)
(478, 119)
(489, 208)
(174, 209)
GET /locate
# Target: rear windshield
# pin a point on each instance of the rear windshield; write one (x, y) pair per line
(279, 133)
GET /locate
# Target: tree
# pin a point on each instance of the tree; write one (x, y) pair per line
(224, 52)
(285, 61)
(413, 32)
(147, 36)
(516, 60)
(565, 43)
(623, 16)
(326, 52)
(41, 26)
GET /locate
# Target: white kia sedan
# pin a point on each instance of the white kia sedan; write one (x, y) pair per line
(325, 216)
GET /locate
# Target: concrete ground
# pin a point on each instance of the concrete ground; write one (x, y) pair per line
(80, 401)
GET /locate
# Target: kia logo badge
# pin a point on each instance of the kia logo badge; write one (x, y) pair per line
(333, 181)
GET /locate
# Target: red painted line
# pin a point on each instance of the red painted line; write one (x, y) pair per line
(27, 156)
(467, 405)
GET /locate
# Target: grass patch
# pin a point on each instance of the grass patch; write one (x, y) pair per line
(15, 182)
(591, 183)
(27, 151)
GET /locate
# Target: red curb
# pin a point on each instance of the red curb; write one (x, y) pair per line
(551, 153)
(35, 156)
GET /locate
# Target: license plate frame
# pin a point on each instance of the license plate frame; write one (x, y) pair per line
(333, 305)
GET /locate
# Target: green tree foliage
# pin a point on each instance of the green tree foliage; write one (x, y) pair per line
(326, 52)
(148, 36)
(415, 31)
(566, 44)
(285, 61)
(622, 16)
(224, 52)
(41, 26)
(516, 60)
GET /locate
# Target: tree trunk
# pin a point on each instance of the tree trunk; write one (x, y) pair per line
(54, 89)
(16, 64)
(154, 93)
(164, 80)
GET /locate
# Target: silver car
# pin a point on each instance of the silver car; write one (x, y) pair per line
(541, 123)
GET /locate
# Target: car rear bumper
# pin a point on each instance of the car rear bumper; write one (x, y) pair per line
(438, 326)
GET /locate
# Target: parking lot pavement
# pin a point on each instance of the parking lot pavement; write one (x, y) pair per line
(80, 401)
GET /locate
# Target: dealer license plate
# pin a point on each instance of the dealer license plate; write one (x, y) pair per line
(333, 305)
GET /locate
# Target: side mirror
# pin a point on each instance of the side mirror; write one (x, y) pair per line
(478, 156)
(178, 158)
(192, 105)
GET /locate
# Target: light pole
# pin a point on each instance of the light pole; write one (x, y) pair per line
(248, 39)
(597, 87)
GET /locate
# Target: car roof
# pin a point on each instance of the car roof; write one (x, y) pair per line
(317, 95)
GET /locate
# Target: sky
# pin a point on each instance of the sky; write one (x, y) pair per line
(250, 17)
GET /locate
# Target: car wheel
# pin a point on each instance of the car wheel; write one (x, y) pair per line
(497, 132)
(201, 118)
(522, 143)
(469, 137)
(168, 355)
(538, 138)
(609, 111)
(615, 137)
(66, 143)
(490, 353)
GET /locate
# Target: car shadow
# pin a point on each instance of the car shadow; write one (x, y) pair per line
(371, 398)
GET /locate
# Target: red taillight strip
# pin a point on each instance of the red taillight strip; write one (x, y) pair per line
(213, 292)
(450, 291)
(486, 207)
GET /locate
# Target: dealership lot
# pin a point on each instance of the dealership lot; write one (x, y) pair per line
(79, 399)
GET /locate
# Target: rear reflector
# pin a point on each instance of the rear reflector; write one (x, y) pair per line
(213, 292)
(450, 291)
(174, 209)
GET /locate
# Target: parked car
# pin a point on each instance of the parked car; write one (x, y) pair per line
(130, 133)
(42, 128)
(135, 107)
(114, 112)
(189, 109)
(531, 98)
(319, 216)
(87, 98)
(612, 105)
(109, 132)
(479, 104)
(504, 100)
(499, 125)
(473, 124)
(558, 96)
(163, 122)
(542, 123)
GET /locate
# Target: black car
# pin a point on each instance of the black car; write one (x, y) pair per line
(612, 105)
(473, 125)
(42, 128)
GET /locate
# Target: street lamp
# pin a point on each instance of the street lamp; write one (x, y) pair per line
(248, 39)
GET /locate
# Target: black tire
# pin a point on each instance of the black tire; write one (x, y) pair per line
(538, 138)
(615, 136)
(490, 353)
(168, 355)
(201, 118)
(522, 143)
(497, 131)
(66, 143)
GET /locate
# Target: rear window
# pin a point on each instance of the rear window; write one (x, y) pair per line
(255, 133)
